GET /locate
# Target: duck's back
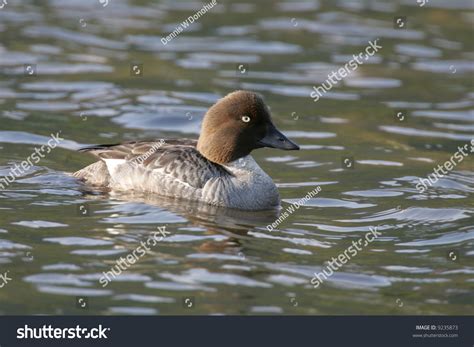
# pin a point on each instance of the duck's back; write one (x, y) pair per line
(171, 167)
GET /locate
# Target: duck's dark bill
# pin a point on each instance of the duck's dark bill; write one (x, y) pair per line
(275, 139)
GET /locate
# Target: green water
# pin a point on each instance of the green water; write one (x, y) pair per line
(58, 237)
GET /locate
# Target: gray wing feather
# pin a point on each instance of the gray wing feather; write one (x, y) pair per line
(177, 158)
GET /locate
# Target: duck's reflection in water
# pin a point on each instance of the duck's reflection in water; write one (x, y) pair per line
(232, 223)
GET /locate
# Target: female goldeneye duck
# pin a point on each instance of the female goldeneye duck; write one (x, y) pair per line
(216, 169)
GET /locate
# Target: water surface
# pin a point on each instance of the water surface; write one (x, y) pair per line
(58, 237)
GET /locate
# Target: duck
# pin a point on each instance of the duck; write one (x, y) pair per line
(215, 169)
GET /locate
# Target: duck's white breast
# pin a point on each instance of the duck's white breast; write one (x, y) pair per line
(248, 187)
(243, 184)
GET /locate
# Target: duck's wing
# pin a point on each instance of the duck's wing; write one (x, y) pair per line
(177, 158)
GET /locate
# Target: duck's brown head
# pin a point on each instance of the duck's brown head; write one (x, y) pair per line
(236, 125)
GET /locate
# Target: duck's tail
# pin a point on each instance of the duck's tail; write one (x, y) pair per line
(95, 174)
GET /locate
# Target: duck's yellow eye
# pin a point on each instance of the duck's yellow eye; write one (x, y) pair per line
(246, 119)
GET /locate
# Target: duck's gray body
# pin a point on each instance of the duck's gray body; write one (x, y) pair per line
(175, 168)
